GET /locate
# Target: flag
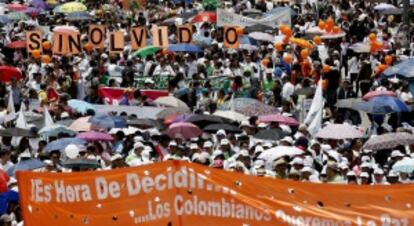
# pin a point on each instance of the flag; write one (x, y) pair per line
(47, 117)
(21, 120)
(11, 112)
(210, 4)
(314, 117)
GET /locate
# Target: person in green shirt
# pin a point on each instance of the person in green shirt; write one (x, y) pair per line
(268, 82)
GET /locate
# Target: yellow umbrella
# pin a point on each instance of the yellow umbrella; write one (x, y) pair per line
(301, 42)
(51, 2)
(71, 7)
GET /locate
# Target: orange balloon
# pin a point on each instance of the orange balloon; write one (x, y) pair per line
(317, 39)
(330, 22)
(288, 58)
(265, 62)
(388, 59)
(36, 54)
(279, 46)
(282, 28)
(88, 47)
(326, 68)
(321, 24)
(286, 40)
(46, 45)
(376, 46)
(46, 59)
(372, 37)
(304, 53)
(239, 31)
(336, 29)
(288, 32)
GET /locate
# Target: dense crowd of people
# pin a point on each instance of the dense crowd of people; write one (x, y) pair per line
(263, 73)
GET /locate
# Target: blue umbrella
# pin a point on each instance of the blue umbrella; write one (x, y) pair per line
(75, 16)
(4, 19)
(32, 10)
(61, 144)
(184, 47)
(403, 69)
(106, 121)
(244, 40)
(81, 106)
(25, 165)
(39, 4)
(381, 105)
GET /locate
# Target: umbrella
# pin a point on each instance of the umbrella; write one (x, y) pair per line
(204, 120)
(405, 165)
(245, 39)
(348, 103)
(184, 129)
(16, 16)
(181, 118)
(94, 136)
(26, 165)
(170, 101)
(171, 111)
(248, 47)
(389, 141)
(202, 41)
(314, 31)
(107, 121)
(81, 163)
(258, 28)
(17, 45)
(16, 7)
(253, 13)
(39, 4)
(280, 119)
(209, 17)
(71, 7)
(14, 132)
(170, 119)
(213, 128)
(76, 16)
(145, 123)
(81, 125)
(377, 93)
(270, 134)
(249, 107)
(232, 115)
(33, 11)
(81, 106)
(55, 130)
(339, 132)
(4, 19)
(147, 51)
(65, 29)
(385, 8)
(261, 36)
(403, 69)
(61, 144)
(382, 105)
(360, 47)
(184, 47)
(272, 154)
(333, 35)
(7, 73)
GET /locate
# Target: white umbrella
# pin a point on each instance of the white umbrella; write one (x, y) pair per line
(333, 35)
(360, 47)
(232, 115)
(170, 101)
(261, 36)
(314, 31)
(272, 154)
(55, 130)
(339, 132)
(387, 8)
(405, 165)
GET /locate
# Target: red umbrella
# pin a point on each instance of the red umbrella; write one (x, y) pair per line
(209, 17)
(184, 129)
(16, 7)
(376, 93)
(7, 73)
(280, 119)
(17, 45)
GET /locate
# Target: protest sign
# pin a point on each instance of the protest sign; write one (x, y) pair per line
(97, 35)
(160, 36)
(116, 42)
(226, 18)
(138, 38)
(231, 38)
(34, 41)
(185, 33)
(181, 193)
(66, 43)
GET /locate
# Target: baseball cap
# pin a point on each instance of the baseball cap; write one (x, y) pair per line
(224, 142)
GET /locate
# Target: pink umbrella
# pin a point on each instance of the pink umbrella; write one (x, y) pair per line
(184, 129)
(65, 29)
(16, 7)
(280, 119)
(95, 136)
(81, 125)
(376, 93)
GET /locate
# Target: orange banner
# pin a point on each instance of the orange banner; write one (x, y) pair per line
(231, 38)
(185, 194)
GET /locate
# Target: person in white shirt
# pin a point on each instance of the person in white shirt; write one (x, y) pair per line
(5, 162)
(287, 89)
(164, 69)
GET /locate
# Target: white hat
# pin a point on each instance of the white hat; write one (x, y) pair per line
(216, 153)
(48, 162)
(350, 174)
(116, 157)
(367, 151)
(396, 153)
(343, 166)
(287, 139)
(364, 174)
(262, 125)
(334, 154)
(138, 139)
(365, 158)
(172, 143)
(244, 153)
(392, 174)
(258, 149)
(297, 161)
(208, 144)
(138, 145)
(193, 146)
(267, 145)
(224, 142)
(306, 169)
(245, 123)
(258, 164)
(379, 171)
(221, 132)
(366, 165)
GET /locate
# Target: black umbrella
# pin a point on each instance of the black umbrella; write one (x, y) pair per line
(270, 134)
(145, 123)
(226, 127)
(16, 132)
(204, 120)
(81, 164)
(258, 28)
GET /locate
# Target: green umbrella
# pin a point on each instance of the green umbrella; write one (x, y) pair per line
(147, 51)
(17, 16)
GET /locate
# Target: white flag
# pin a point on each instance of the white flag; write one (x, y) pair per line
(48, 118)
(21, 120)
(314, 117)
(11, 112)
